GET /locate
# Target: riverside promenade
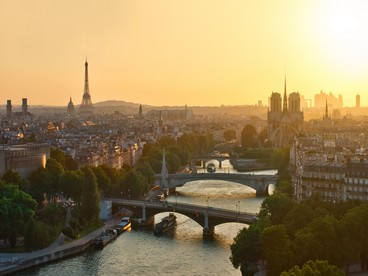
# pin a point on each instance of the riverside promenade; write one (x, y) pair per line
(13, 262)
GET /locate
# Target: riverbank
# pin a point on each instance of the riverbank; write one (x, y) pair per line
(13, 262)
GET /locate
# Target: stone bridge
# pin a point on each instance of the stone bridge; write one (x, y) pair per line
(259, 182)
(205, 216)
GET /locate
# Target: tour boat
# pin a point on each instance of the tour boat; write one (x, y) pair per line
(166, 224)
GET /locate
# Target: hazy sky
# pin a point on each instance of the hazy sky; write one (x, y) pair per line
(177, 52)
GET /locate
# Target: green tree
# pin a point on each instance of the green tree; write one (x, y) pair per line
(146, 170)
(16, 209)
(246, 249)
(355, 223)
(249, 137)
(229, 134)
(318, 241)
(277, 249)
(53, 215)
(55, 170)
(276, 207)
(71, 184)
(90, 206)
(135, 184)
(11, 177)
(58, 155)
(316, 267)
(298, 218)
(40, 184)
(70, 163)
(38, 235)
(104, 182)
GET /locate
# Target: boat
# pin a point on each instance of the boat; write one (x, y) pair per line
(104, 238)
(211, 168)
(123, 225)
(165, 224)
(161, 197)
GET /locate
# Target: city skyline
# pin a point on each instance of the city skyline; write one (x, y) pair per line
(182, 52)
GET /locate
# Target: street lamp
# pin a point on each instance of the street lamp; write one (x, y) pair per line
(239, 206)
(208, 203)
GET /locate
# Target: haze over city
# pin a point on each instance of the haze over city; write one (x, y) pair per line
(182, 52)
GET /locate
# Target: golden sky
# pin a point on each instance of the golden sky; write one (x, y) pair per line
(177, 52)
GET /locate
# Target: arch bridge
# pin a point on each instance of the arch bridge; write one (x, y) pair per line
(205, 216)
(259, 182)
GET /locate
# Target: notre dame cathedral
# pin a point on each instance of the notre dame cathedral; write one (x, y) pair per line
(286, 121)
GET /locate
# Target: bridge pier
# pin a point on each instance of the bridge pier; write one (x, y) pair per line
(208, 231)
(144, 216)
(261, 192)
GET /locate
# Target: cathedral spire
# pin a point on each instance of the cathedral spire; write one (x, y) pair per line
(284, 108)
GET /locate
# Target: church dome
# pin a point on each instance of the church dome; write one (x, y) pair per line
(70, 106)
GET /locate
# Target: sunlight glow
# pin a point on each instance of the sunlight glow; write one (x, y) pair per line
(343, 29)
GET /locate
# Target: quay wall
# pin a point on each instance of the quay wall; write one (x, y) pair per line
(45, 258)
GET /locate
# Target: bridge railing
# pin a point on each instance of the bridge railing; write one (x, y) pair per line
(210, 208)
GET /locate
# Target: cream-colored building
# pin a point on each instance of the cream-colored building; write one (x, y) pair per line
(23, 159)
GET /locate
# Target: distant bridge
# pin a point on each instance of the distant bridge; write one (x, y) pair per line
(258, 182)
(218, 157)
(206, 216)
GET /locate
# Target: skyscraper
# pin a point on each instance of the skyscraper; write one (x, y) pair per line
(86, 106)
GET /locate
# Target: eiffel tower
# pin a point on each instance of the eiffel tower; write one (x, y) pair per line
(86, 107)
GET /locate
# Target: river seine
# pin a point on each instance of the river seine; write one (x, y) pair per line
(180, 252)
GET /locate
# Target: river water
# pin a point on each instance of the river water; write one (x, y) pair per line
(179, 252)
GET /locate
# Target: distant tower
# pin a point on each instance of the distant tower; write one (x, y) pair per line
(326, 111)
(70, 108)
(275, 102)
(357, 100)
(294, 102)
(8, 109)
(24, 106)
(284, 107)
(140, 113)
(86, 106)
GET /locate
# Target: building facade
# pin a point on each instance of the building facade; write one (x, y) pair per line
(318, 166)
(23, 159)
